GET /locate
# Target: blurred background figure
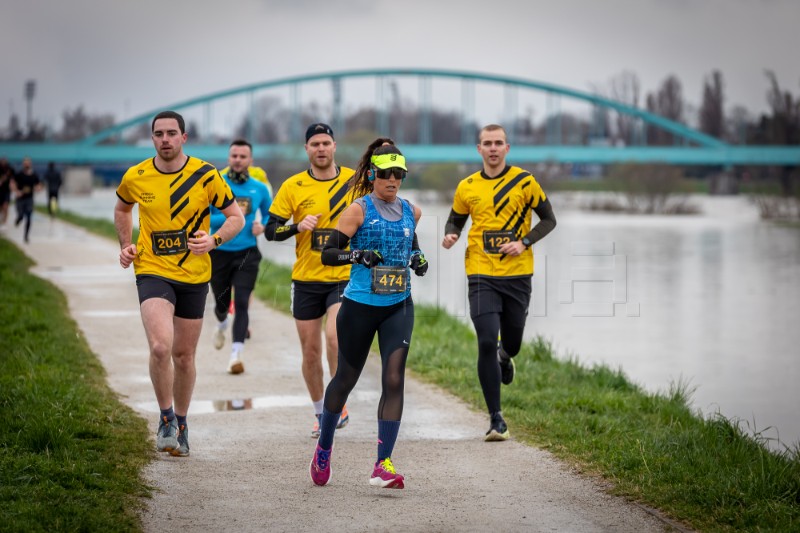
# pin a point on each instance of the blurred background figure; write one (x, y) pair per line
(54, 181)
(25, 183)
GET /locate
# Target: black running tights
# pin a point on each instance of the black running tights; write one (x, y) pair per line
(487, 327)
(356, 326)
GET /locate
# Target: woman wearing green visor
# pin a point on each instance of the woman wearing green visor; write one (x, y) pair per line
(379, 228)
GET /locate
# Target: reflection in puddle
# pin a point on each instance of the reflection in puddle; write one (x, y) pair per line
(232, 405)
(216, 406)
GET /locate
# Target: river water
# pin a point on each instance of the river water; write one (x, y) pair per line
(711, 300)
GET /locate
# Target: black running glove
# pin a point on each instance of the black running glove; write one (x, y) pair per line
(368, 258)
(419, 264)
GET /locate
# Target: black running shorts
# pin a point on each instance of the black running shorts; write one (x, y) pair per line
(509, 297)
(189, 299)
(311, 300)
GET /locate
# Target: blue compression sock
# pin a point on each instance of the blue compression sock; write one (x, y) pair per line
(327, 427)
(168, 412)
(387, 435)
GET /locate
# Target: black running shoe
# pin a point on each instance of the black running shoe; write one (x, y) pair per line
(498, 431)
(507, 370)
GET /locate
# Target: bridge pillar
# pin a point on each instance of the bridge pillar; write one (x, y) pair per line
(78, 180)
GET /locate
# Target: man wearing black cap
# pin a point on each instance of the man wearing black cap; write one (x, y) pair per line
(313, 200)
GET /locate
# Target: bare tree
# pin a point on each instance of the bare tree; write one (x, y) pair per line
(667, 102)
(712, 114)
(625, 88)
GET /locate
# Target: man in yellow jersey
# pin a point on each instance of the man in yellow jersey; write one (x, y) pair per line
(171, 262)
(313, 200)
(499, 260)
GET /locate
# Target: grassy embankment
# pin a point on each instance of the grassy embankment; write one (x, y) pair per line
(653, 448)
(71, 453)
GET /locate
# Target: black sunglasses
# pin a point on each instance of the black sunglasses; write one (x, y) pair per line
(386, 173)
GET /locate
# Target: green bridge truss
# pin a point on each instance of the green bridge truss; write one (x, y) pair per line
(698, 148)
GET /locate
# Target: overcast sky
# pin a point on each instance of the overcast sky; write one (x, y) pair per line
(130, 57)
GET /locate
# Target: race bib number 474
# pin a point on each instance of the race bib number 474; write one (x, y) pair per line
(389, 279)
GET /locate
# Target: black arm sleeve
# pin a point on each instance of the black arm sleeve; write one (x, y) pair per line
(547, 221)
(277, 230)
(455, 223)
(415, 243)
(333, 252)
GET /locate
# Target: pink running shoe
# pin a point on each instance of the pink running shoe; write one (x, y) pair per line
(385, 476)
(321, 467)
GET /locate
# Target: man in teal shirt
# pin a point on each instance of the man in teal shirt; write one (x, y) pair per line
(234, 265)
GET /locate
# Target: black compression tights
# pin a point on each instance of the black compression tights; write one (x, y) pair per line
(356, 325)
(241, 304)
(487, 327)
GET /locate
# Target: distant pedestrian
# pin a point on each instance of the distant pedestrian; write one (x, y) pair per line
(6, 175)
(25, 183)
(54, 181)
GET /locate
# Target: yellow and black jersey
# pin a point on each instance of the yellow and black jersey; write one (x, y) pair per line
(302, 195)
(500, 208)
(171, 208)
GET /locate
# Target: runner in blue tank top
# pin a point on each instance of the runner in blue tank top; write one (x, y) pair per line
(379, 229)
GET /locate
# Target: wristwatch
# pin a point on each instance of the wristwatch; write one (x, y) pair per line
(527, 242)
(217, 240)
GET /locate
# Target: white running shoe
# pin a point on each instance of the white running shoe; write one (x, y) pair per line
(235, 366)
(219, 338)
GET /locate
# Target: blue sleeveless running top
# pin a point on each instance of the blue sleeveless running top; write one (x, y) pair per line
(393, 240)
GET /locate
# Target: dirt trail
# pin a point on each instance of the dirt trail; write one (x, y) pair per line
(249, 468)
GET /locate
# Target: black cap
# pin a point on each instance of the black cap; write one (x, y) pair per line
(316, 128)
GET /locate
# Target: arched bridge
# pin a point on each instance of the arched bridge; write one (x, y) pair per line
(391, 116)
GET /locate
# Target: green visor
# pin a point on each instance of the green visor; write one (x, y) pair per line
(387, 165)
(385, 161)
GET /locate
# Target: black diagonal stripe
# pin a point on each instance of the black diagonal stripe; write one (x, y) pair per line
(334, 184)
(520, 220)
(190, 182)
(189, 222)
(185, 256)
(510, 185)
(176, 180)
(198, 222)
(501, 206)
(209, 180)
(338, 210)
(178, 209)
(338, 195)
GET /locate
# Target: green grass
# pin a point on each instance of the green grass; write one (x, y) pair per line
(71, 453)
(103, 228)
(653, 448)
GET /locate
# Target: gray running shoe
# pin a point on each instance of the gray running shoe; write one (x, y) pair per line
(498, 430)
(315, 429)
(507, 370)
(183, 443)
(167, 435)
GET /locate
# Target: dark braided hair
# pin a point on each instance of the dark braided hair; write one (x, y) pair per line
(359, 184)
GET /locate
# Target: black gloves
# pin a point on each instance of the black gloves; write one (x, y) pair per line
(368, 258)
(419, 264)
